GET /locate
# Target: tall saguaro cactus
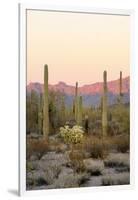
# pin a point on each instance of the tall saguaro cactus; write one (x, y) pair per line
(76, 101)
(120, 88)
(120, 84)
(73, 106)
(46, 104)
(104, 109)
(40, 116)
(63, 110)
(79, 114)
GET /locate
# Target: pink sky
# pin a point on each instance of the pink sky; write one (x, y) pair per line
(76, 46)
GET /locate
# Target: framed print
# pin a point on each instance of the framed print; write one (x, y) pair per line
(75, 103)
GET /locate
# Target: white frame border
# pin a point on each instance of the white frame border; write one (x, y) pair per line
(22, 94)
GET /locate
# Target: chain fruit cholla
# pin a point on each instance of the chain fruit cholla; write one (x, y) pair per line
(72, 135)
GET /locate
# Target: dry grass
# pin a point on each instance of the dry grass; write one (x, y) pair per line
(37, 147)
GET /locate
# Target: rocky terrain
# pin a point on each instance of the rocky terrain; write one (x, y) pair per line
(56, 169)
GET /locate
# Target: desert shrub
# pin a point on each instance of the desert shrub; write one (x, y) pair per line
(36, 178)
(121, 117)
(122, 143)
(83, 178)
(94, 146)
(72, 135)
(77, 163)
(41, 181)
(116, 179)
(70, 181)
(100, 147)
(58, 146)
(51, 173)
(37, 147)
(45, 176)
(29, 166)
(94, 167)
(122, 169)
(117, 160)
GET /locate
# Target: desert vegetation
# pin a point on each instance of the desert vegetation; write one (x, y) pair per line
(77, 145)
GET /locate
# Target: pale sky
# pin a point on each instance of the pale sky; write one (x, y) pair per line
(76, 46)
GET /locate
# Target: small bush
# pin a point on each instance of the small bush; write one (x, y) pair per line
(116, 179)
(117, 160)
(94, 146)
(94, 167)
(37, 147)
(51, 174)
(57, 146)
(77, 163)
(36, 178)
(71, 181)
(29, 166)
(122, 143)
(41, 181)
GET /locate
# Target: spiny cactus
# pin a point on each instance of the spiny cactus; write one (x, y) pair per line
(73, 106)
(86, 125)
(76, 101)
(79, 113)
(40, 115)
(46, 104)
(120, 83)
(120, 88)
(104, 109)
(63, 110)
(101, 103)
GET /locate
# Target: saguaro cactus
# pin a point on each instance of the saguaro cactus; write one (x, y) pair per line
(40, 114)
(79, 113)
(120, 84)
(104, 109)
(86, 125)
(63, 111)
(46, 104)
(73, 106)
(120, 88)
(76, 101)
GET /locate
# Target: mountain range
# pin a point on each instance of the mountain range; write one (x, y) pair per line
(90, 93)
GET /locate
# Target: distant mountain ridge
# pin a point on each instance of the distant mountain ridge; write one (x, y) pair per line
(95, 88)
(91, 93)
